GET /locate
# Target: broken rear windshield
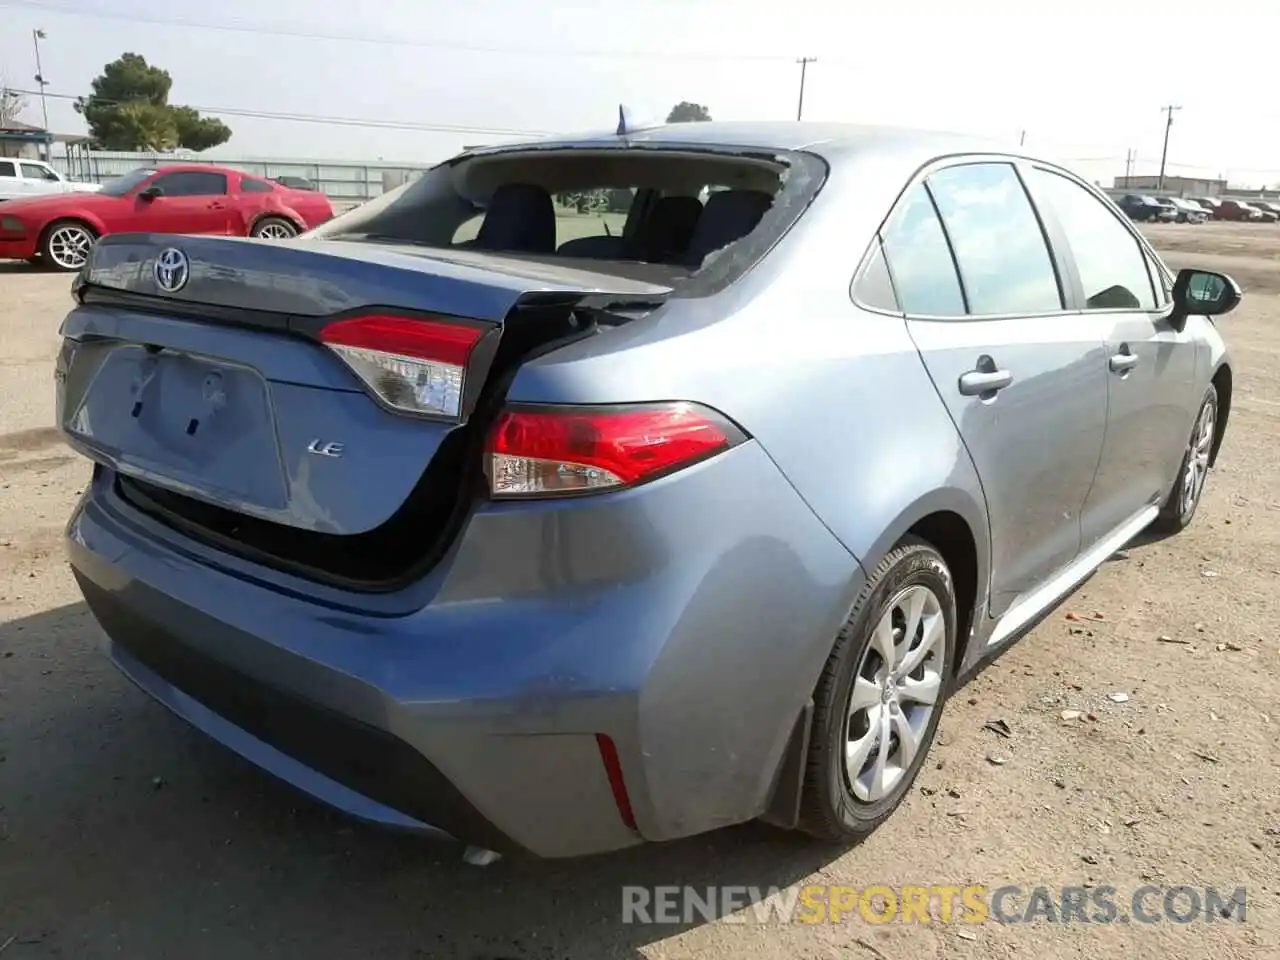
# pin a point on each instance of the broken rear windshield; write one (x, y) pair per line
(665, 214)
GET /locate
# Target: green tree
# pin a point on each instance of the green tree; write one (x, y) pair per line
(686, 112)
(199, 133)
(129, 110)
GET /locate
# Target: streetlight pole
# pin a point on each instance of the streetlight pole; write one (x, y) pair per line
(36, 36)
(804, 66)
(1164, 153)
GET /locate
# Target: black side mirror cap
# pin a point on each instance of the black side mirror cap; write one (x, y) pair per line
(1203, 293)
(150, 193)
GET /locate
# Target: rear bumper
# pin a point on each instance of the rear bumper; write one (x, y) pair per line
(23, 248)
(687, 621)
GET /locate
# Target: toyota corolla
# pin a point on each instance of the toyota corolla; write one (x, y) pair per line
(622, 487)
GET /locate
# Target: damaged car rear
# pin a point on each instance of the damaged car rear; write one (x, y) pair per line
(430, 511)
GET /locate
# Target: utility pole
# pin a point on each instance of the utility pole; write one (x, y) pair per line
(1128, 165)
(1022, 139)
(36, 36)
(804, 66)
(1164, 154)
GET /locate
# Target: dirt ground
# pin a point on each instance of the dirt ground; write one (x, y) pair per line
(123, 833)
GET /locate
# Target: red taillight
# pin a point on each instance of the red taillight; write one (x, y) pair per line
(414, 365)
(555, 451)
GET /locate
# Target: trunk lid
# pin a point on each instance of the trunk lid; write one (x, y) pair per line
(225, 414)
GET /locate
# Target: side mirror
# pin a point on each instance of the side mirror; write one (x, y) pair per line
(1203, 293)
(150, 194)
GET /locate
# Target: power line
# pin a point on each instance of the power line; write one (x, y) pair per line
(331, 121)
(274, 31)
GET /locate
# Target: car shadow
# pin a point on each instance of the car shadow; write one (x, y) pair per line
(20, 266)
(123, 830)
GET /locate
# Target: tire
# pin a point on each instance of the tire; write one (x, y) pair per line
(1184, 499)
(841, 808)
(66, 244)
(274, 228)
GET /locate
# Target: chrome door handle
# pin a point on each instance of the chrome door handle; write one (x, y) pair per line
(975, 383)
(1123, 362)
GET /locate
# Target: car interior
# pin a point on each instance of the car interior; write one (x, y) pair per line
(658, 207)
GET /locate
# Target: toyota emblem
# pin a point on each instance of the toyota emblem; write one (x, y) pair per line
(172, 270)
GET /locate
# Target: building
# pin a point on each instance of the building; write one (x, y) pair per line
(1182, 186)
(23, 141)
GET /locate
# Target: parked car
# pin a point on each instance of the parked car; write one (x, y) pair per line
(182, 198)
(1238, 210)
(1186, 211)
(35, 178)
(483, 537)
(297, 183)
(1142, 208)
(1210, 204)
(1270, 210)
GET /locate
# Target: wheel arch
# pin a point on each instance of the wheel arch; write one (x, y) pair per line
(955, 523)
(74, 217)
(1222, 381)
(287, 215)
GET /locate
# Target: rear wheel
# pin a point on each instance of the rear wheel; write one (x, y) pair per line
(880, 697)
(274, 228)
(1184, 498)
(67, 244)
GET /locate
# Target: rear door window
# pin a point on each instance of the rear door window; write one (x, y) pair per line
(919, 257)
(874, 286)
(8, 169)
(999, 245)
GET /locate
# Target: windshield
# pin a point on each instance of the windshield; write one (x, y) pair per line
(122, 185)
(655, 214)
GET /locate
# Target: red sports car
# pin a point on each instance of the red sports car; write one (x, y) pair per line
(182, 198)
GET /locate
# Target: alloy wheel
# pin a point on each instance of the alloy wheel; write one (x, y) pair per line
(895, 692)
(275, 230)
(69, 246)
(1197, 468)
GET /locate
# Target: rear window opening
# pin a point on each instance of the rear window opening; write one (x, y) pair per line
(416, 537)
(657, 214)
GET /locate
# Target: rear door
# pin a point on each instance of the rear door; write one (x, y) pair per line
(1022, 376)
(1150, 366)
(191, 201)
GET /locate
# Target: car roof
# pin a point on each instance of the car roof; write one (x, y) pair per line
(180, 167)
(833, 142)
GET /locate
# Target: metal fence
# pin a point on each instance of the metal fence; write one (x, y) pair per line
(339, 179)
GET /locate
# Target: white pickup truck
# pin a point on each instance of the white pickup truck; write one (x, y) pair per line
(35, 178)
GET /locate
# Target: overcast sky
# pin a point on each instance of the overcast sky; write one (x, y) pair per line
(1084, 80)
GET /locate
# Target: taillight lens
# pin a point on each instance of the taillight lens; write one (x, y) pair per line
(414, 365)
(565, 451)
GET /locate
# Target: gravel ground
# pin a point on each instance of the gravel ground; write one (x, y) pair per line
(123, 833)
